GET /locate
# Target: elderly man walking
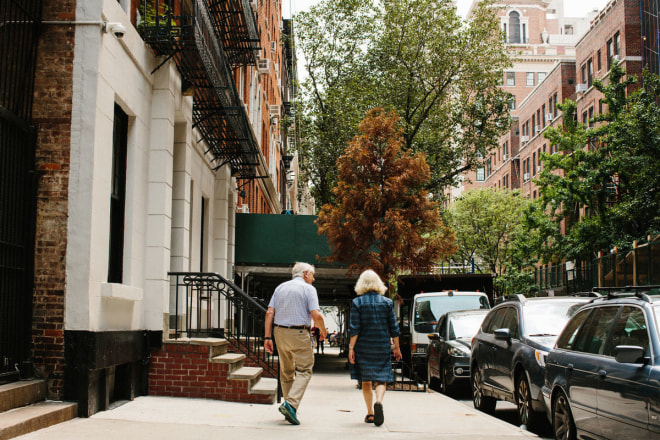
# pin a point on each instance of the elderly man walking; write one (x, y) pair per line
(293, 306)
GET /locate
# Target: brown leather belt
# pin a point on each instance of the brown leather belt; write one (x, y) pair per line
(297, 327)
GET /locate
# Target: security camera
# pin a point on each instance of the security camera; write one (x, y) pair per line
(118, 30)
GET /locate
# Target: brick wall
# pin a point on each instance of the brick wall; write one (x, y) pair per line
(185, 370)
(52, 118)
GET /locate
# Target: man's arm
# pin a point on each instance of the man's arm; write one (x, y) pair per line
(268, 343)
(319, 322)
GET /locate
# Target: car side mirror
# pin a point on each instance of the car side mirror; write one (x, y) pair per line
(629, 354)
(503, 334)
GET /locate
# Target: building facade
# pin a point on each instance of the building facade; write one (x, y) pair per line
(153, 123)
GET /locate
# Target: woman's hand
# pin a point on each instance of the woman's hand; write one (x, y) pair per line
(351, 355)
(397, 353)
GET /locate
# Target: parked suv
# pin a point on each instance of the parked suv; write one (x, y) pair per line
(508, 352)
(603, 376)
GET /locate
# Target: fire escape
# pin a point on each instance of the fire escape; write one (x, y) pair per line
(207, 39)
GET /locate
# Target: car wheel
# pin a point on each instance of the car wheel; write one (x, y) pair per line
(481, 402)
(432, 381)
(526, 413)
(563, 424)
(444, 383)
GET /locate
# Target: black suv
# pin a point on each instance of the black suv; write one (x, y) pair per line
(508, 352)
(603, 376)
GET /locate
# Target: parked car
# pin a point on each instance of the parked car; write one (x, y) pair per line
(603, 376)
(448, 355)
(508, 352)
(427, 308)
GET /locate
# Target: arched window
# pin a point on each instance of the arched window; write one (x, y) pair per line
(514, 27)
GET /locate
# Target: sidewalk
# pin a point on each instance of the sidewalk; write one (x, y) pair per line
(331, 409)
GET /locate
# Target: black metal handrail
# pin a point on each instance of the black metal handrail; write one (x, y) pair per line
(208, 305)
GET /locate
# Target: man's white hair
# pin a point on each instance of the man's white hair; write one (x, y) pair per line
(369, 281)
(300, 268)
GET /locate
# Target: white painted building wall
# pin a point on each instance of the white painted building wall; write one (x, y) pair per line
(168, 174)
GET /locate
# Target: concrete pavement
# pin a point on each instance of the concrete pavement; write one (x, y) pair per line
(331, 409)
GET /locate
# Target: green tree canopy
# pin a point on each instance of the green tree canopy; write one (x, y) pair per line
(487, 223)
(441, 75)
(604, 186)
(383, 218)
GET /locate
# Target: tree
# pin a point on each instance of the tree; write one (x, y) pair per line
(383, 218)
(416, 58)
(487, 223)
(604, 187)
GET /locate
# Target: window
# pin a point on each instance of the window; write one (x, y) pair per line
(534, 164)
(554, 105)
(591, 116)
(118, 196)
(590, 72)
(593, 337)
(541, 76)
(583, 74)
(514, 27)
(530, 79)
(481, 174)
(543, 114)
(510, 78)
(510, 321)
(512, 103)
(599, 62)
(610, 53)
(617, 44)
(630, 329)
(567, 337)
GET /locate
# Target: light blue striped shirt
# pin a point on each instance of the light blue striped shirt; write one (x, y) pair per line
(293, 302)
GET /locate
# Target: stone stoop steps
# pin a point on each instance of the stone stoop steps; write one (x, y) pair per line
(202, 368)
(24, 409)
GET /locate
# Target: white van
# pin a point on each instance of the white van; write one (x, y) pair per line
(427, 308)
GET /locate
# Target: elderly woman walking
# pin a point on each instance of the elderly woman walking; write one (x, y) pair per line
(372, 326)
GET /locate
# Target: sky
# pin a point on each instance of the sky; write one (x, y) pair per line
(572, 8)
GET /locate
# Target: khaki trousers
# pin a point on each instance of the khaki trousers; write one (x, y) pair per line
(294, 348)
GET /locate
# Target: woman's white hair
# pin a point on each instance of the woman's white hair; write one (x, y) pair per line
(369, 281)
(300, 268)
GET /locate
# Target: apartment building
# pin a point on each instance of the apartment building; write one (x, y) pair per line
(538, 36)
(147, 125)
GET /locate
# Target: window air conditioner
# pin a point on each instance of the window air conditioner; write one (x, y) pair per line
(263, 65)
(505, 157)
(245, 209)
(273, 46)
(548, 117)
(537, 129)
(538, 168)
(580, 88)
(616, 58)
(274, 111)
(524, 138)
(526, 177)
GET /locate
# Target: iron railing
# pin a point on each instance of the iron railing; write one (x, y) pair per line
(208, 305)
(406, 378)
(19, 38)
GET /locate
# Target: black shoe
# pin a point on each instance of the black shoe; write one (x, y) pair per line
(379, 417)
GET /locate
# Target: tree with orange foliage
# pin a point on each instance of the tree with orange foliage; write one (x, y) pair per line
(383, 218)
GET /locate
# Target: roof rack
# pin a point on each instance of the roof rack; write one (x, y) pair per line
(518, 297)
(620, 292)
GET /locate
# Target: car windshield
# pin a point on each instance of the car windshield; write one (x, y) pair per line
(428, 310)
(656, 309)
(547, 318)
(464, 326)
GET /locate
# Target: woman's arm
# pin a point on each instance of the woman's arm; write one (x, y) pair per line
(351, 349)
